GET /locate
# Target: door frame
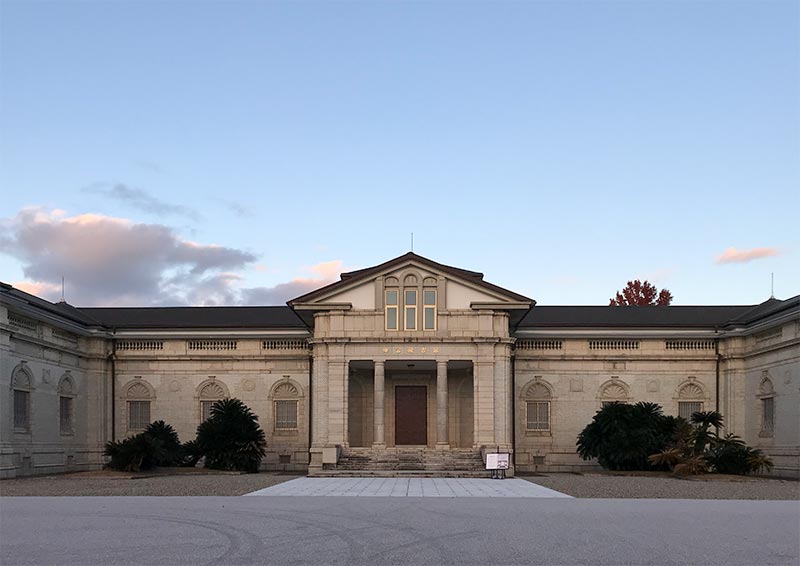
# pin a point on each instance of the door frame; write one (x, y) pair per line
(427, 410)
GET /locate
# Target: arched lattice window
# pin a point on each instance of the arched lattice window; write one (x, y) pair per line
(766, 393)
(209, 393)
(538, 397)
(286, 400)
(139, 395)
(690, 399)
(614, 391)
(66, 404)
(21, 387)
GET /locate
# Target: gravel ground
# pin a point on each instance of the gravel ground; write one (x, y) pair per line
(660, 487)
(170, 485)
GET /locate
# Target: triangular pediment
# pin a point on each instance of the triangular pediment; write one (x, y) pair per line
(359, 290)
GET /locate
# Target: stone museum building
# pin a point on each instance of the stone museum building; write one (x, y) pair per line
(409, 365)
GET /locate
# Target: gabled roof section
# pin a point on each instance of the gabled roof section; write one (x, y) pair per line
(61, 309)
(353, 277)
(768, 308)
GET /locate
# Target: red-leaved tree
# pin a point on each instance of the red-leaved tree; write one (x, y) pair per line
(637, 293)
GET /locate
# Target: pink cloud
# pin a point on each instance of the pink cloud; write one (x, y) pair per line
(732, 255)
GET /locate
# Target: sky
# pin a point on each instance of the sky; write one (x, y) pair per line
(168, 153)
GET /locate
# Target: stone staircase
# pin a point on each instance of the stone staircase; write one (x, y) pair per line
(406, 462)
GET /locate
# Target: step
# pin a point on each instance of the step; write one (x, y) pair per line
(339, 473)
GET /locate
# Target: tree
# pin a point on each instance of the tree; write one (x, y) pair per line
(622, 436)
(231, 439)
(640, 294)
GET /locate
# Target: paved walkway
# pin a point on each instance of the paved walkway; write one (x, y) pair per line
(409, 487)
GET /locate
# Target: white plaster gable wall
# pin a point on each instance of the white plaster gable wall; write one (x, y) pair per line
(460, 296)
(361, 297)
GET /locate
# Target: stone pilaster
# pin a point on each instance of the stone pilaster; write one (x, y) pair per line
(441, 405)
(379, 440)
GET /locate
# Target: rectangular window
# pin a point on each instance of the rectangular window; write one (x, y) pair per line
(429, 309)
(411, 310)
(138, 415)
(285, 414)
(538, 415)
(65, 414)
(22, 405)
(205, 410)
(391, 310)
(686, 408)
(768, 415)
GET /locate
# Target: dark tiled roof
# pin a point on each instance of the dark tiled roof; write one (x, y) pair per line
(472, 276)
(196, 317)
(631, 317)
(61, 309)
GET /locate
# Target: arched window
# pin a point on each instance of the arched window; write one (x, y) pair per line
(139, 395)
(538, 397)
(286, 401)
(766, 393)
(21, 386)
(614, 391)
(690, 399)
(66, 404)
(209, 393)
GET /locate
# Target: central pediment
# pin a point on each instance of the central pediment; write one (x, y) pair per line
(460, 289)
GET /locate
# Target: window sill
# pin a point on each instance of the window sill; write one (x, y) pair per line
(538, 433)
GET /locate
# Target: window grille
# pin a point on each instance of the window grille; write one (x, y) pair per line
(65, 414)
(22, 409)
(768, 415)
(205, 410)
(140, 345)
(689, 344)
(613, 344)
(687, 408)
(212, 344)
(538, 415)
(391, 309)
(285, 414)
(138, 415)
(540, 344)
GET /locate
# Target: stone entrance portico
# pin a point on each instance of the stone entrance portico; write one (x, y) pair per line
(410, 354)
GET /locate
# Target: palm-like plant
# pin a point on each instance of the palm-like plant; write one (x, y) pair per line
(622, 436)
(231, 438)
(702, 436)
(171, 444)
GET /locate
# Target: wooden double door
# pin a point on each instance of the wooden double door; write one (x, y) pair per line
(410, 415)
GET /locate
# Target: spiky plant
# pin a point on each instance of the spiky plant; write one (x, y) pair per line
(622, 436)
(170, 443)
(703, 421)
(231, 439)
(135, 453)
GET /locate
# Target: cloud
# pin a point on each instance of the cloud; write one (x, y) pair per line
(141, 200)
(732, 255)
(115, 261)
(326, 272)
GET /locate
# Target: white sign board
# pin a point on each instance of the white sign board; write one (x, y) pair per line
(495, 461)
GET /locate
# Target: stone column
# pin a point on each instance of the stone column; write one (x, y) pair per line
(379, 440)
(441, 405)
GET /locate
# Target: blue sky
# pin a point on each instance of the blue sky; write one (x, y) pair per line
(240, 152)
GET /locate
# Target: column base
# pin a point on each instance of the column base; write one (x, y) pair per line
(379, 445)
(443, 446)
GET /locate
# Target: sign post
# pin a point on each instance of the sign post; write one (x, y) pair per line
(497, 462)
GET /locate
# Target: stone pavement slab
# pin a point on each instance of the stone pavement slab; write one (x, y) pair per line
(408, 487)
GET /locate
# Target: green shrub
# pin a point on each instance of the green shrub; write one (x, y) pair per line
(231, 439)
(190, 453)
(170, 443)
(622, 436)
(730, 455)
(135, 453)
